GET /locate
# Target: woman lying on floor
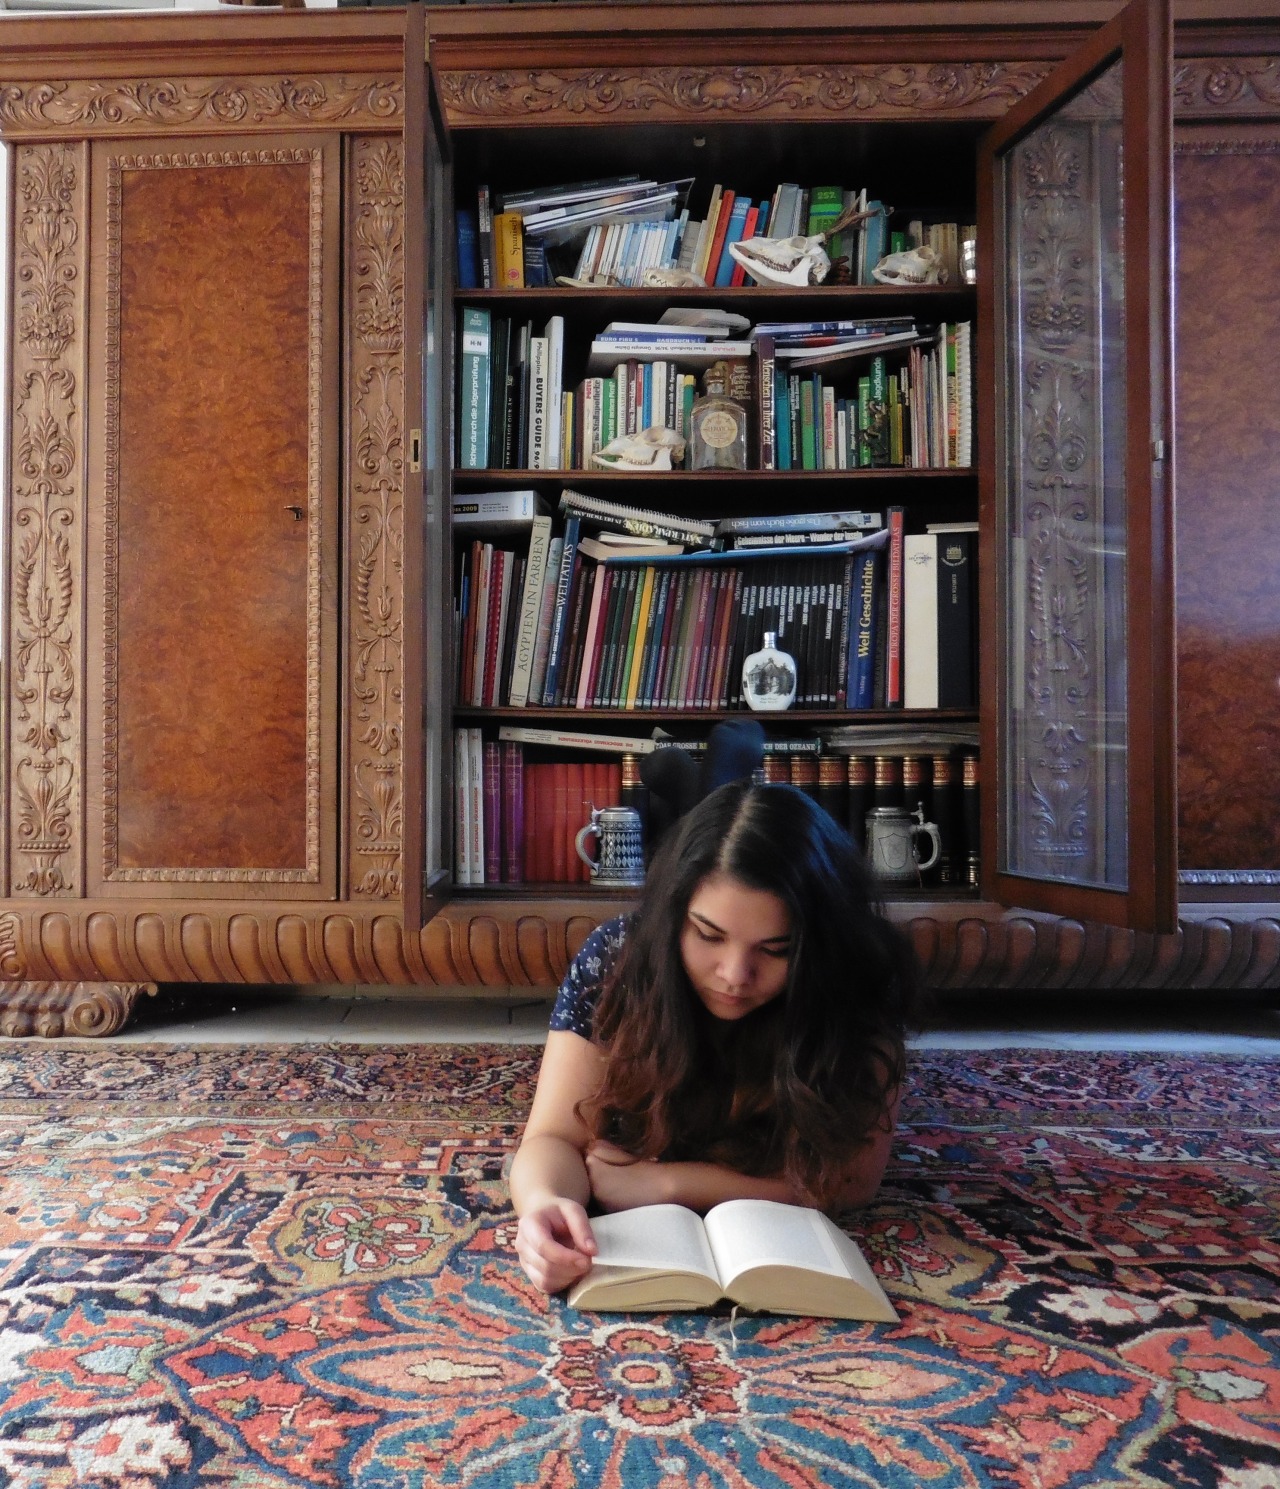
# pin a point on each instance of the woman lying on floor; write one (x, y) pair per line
(740, 1035)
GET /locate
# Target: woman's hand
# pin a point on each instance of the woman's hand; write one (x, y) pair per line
(555, 1244)
(621, 1182)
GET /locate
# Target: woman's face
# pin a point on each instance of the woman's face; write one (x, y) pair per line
(736, 946)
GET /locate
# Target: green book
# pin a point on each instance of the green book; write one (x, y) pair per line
(808, 445)
(473, 401)
(608, 410)
(864, 421)
(878, 413)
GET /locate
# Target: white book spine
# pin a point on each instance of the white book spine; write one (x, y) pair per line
(475, 811)
(461, 807)
(538, 354)
(555, 387)
(920, 621)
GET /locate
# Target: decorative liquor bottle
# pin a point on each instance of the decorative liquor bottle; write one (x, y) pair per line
(717, 424)
(769, 677)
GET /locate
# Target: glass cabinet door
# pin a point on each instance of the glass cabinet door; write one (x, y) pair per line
(428, 783)
(1076, 485)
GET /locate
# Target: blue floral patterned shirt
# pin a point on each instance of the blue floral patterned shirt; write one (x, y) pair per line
(575, 1005)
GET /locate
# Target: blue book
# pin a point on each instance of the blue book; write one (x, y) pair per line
(560, 616)
(875, 234)
(782, 420)
(733, 234)
(860, 685)
(468, 249)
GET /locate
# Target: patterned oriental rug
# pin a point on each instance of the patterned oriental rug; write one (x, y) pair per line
(290, 1268)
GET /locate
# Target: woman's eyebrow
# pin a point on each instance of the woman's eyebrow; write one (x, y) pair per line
(711, 925)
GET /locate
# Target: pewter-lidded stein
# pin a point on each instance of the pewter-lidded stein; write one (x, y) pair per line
(619, 860)
(892, 848)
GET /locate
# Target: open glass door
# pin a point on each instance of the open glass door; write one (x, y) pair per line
(1077, 485)
(428, 275)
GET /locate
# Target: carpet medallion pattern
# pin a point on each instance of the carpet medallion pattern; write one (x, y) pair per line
(290, 1268)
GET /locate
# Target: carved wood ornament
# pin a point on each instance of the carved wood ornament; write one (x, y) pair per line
(105, 106)
(375, 306)
(45, 637)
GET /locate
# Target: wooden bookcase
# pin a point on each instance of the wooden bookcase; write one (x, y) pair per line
(226, 664)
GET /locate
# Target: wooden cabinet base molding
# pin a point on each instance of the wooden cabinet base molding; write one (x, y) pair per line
(94, 978)
(54, 1010)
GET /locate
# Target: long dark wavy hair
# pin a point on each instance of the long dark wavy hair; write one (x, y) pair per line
(806, 1077)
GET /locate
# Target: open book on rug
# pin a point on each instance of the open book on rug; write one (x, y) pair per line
(766, 1256)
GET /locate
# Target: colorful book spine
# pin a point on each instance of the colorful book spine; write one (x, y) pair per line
(560, 612)
(864, 613)
(895, 519)
(473, 428)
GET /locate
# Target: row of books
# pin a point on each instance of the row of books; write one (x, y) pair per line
(519, 805)
(622, 225)
(823, 399)
(918, 415)
(589, 618)
(507, 241)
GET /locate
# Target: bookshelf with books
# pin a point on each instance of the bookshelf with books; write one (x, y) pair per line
(320, 849)
(627, 638)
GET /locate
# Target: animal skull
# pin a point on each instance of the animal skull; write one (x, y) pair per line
(911, 266)
(655, 448)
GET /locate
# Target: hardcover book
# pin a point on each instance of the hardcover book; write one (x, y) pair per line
(770, 1257)
(473, 413)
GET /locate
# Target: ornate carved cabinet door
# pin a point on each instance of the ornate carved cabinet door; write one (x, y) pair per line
(1077, 485)
(212, 553)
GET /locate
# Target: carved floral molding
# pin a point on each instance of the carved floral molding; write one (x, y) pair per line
(45, 639)
(107, 106)
(783, 91)
(375, 305)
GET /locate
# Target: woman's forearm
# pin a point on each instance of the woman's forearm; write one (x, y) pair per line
(547, 1167)
(701, 1185)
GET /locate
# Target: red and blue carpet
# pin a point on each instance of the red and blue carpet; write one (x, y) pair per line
(289, 1268)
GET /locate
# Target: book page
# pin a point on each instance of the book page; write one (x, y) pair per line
(747, 1233)
(666, 1238)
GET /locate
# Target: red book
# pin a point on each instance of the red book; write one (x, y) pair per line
(729, 611)
(717, 243)
(739, 275)
(715, 624)
(539, 817)
(467, 666)
(591, 646)
(491, 784)
(697, 639)
(576, 814)
(493, 627)
(557, 823)
(895, 521)
(513, 840)
(670, 630)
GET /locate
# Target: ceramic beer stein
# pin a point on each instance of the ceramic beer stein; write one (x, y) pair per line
(619, 860)
(892, 846)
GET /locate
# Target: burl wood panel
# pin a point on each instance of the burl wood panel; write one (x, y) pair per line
(212, 605)
(1227, 188)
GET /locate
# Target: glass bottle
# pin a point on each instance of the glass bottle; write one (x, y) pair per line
(769, 677)
(717, 424)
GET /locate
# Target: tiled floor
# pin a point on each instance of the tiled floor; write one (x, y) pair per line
(1055, 1019)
